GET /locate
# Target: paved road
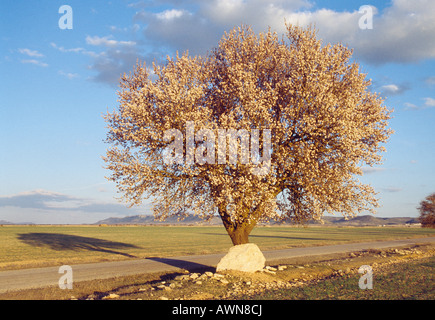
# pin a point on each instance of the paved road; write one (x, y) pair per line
(43, 277)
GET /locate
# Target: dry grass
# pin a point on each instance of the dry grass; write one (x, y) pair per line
(38, 246)
(327, 277)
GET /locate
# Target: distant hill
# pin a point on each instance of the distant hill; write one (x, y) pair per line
(367, 220)
(364, 220)
(149, 220)
(2, 222)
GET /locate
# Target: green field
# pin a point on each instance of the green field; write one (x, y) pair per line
(37, 246)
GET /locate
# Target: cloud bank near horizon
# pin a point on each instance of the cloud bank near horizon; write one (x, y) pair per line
(43, 203)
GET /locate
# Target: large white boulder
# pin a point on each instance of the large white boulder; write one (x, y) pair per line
(243, 257)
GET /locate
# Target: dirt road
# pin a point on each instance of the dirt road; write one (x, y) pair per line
(43, 277)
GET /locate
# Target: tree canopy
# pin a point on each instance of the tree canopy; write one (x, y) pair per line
(308, 99)
(427, 212)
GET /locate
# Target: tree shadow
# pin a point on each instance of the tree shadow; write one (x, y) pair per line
(60, 242)
(184, 264)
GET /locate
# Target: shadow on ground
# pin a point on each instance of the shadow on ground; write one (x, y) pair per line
(184, 264)
(60, 242)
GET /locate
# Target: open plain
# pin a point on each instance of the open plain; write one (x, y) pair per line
(301, 261)
(25, 247)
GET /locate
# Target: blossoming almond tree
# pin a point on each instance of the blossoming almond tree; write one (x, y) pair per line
(323, 121)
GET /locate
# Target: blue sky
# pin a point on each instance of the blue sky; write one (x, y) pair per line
(57, 83)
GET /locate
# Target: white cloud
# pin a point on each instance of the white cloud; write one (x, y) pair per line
(76, 50)
(429, 102)
(170, 14)
(410, 106)
(136, 27)
(117, 29)
(200, 30)
(98, 41)
(53, 201)
(114, 62)
(260, 14)
(116, 57)
(368, 170)
(229, 5)
(68, 74)
(35, 62)
(105, 41)
(62, 49)
(390, 88)
(68, 204)
(31, 53)
(402, 32)
(393, 89)
(35, 54)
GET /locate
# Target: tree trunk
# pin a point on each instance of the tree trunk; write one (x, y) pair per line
(238, 232)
